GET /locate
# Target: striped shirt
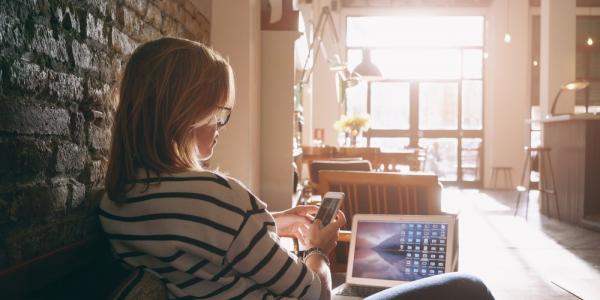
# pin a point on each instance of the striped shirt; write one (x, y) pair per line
(207, 237)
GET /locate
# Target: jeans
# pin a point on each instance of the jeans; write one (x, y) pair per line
(445, 286)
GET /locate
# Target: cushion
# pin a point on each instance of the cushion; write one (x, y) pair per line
(337, 165)
(139, 285)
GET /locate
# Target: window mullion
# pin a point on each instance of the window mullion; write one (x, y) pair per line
(414, 113)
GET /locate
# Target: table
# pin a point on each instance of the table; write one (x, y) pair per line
(389, 160)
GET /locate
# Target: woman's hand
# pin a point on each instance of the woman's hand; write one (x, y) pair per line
(289, 221)
(324, 238)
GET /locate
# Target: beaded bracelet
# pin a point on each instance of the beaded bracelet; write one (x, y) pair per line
(315, 251)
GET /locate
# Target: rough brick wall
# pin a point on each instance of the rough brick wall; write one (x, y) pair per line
(60, 61)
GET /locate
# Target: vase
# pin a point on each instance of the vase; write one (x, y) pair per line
(353, 135)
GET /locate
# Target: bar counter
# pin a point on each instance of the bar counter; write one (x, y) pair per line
(575, 144)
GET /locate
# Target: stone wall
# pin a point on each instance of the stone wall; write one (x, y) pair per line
(60, 61)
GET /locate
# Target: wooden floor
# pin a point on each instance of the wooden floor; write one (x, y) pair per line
(521, 259)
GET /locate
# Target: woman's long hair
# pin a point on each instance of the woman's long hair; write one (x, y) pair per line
(169, 86)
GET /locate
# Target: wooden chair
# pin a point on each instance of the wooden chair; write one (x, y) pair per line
(316, 166)
(315, 153)
(472, 167)
(379, 193)
(383, 193)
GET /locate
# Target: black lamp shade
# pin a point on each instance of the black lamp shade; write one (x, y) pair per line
(366, 68)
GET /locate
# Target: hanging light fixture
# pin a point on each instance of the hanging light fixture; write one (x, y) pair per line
(366, 68)
(507, 37)
(334, 61)
(348, 79)
(345, 78)
(590, 41)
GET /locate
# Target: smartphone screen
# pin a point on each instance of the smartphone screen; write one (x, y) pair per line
(328, 208)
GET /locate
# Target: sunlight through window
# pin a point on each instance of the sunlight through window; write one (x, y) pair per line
(431, 89)
(417, 31)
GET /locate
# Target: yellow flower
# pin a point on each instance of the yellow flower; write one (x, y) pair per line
(353, 123)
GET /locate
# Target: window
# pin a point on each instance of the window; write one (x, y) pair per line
(431, 93)
(390, 105)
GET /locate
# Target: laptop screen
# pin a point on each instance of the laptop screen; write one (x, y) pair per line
(400, 250)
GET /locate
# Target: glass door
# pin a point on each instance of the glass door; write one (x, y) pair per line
(442, 118)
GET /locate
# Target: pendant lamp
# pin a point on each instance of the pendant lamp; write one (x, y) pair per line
(366, 68)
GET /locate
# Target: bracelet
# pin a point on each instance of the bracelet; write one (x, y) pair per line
(315, 251)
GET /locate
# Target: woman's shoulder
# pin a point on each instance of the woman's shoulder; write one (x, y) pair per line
(208, 176)
(201, 175)
(203, 184)
(238, 193)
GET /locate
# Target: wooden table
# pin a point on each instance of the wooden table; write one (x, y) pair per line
(389, 160)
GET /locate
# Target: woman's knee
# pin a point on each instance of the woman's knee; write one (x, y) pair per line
(465, 286)
(445, 286)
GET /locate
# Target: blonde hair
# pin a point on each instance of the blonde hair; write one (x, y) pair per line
(169, 86)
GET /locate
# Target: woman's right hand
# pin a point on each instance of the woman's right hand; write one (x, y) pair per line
(324, 238)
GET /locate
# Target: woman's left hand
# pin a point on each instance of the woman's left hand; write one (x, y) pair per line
(289, 221)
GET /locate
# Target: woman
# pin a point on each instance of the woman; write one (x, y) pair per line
(203, 233)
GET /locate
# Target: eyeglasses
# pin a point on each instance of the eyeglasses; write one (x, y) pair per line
(222, 116)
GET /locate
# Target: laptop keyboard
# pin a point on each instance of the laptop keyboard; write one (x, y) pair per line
(360, 291)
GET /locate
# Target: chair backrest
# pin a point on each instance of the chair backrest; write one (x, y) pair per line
(383, 193)
(337, 165)
(315, 153)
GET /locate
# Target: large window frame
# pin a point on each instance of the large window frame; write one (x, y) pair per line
(414, 133)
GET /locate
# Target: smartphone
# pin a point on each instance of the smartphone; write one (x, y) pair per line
(329, 207)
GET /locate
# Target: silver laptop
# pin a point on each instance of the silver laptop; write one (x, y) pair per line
(389, 250)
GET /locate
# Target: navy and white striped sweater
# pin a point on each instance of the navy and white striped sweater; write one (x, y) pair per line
(207, 237)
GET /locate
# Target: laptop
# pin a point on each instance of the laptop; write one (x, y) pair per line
(389, 250)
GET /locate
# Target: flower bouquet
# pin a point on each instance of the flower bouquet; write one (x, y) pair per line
(353, 125)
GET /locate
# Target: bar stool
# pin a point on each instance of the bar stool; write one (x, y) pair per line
(507, 175)
(543, 160)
